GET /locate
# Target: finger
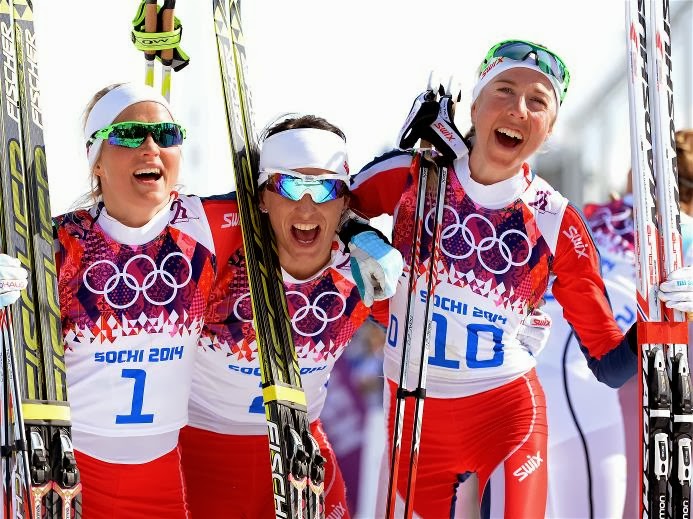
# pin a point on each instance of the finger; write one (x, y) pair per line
(675, 296)
(9, 261)
(676, 285)
(681, 306)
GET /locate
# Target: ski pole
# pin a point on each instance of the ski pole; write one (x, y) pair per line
(167, 54)
(150, 22)
(432, 182)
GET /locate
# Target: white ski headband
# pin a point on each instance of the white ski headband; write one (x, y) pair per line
(501, 64)
(108, 108)
(305, 148)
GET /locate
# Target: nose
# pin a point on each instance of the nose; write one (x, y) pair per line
(519, 107)
(149, 146)
(306, 202)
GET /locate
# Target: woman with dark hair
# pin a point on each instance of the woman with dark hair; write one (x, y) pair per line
(304, 191)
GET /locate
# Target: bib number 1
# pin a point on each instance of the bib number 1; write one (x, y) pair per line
(136, 415)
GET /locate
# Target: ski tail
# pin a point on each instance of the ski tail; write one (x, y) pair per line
(29, 236)
(293, 457)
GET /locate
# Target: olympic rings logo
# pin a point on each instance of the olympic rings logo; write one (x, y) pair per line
(308, 310)
(487, 243)
(113, 283)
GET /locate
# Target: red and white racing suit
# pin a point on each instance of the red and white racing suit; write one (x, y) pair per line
(225, 448)
(132, 303)
(484, 404)
(587, 442)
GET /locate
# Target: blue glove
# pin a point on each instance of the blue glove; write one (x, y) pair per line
(13, 279)
(375, 265)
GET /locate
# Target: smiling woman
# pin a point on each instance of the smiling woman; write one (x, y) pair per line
(504, 232)
(304, 190)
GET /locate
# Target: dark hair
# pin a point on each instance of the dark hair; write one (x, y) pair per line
(684, 157)
(303, 121)
(290, 122)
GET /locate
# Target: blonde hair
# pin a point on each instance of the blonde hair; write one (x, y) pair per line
(95, 194)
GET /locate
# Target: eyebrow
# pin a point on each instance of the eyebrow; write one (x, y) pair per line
(537, 90)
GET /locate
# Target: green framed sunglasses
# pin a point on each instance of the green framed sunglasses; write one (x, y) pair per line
(131, 134)
(518, 50)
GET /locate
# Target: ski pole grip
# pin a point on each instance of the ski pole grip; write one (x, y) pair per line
(167, 26)
(150, 14)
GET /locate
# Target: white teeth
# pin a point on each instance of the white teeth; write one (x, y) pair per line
(305, 226)
(153, 171)
(511, 133)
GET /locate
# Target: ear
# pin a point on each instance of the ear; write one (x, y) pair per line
(472, 113)
(263, 207)
(97, 170)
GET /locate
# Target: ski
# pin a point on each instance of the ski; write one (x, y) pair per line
(296, 464)
(664, 380)
(55, 487)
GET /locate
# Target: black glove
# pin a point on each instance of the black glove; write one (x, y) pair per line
(430, 120)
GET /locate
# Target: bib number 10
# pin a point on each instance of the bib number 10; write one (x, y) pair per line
(474, 331)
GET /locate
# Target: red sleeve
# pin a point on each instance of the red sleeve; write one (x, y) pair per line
(380, 312)
(225, 225)
(579, 287)
(378, 187)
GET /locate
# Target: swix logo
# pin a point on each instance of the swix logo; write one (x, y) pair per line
(338, 512)
(10, 72)
(181, 213)
(541, 202)
(444, 131)
(541, 322)
(528, 467)
(579, 246)
(230, 220)
(346, 166)
(491, 65)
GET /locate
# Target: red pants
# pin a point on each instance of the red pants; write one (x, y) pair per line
(475, 434)
(124, 491)
(229, 475)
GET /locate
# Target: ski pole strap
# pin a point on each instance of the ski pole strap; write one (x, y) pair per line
(43, 412)
(419, 392)
(288, 394)
(158, 41)
(662, 332)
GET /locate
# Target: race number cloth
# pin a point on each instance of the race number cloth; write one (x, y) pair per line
(132, 304)
(499, 244)
(325, 311)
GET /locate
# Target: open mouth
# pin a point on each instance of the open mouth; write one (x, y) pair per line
(305, 233)
(148, 175)
(508, 138)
